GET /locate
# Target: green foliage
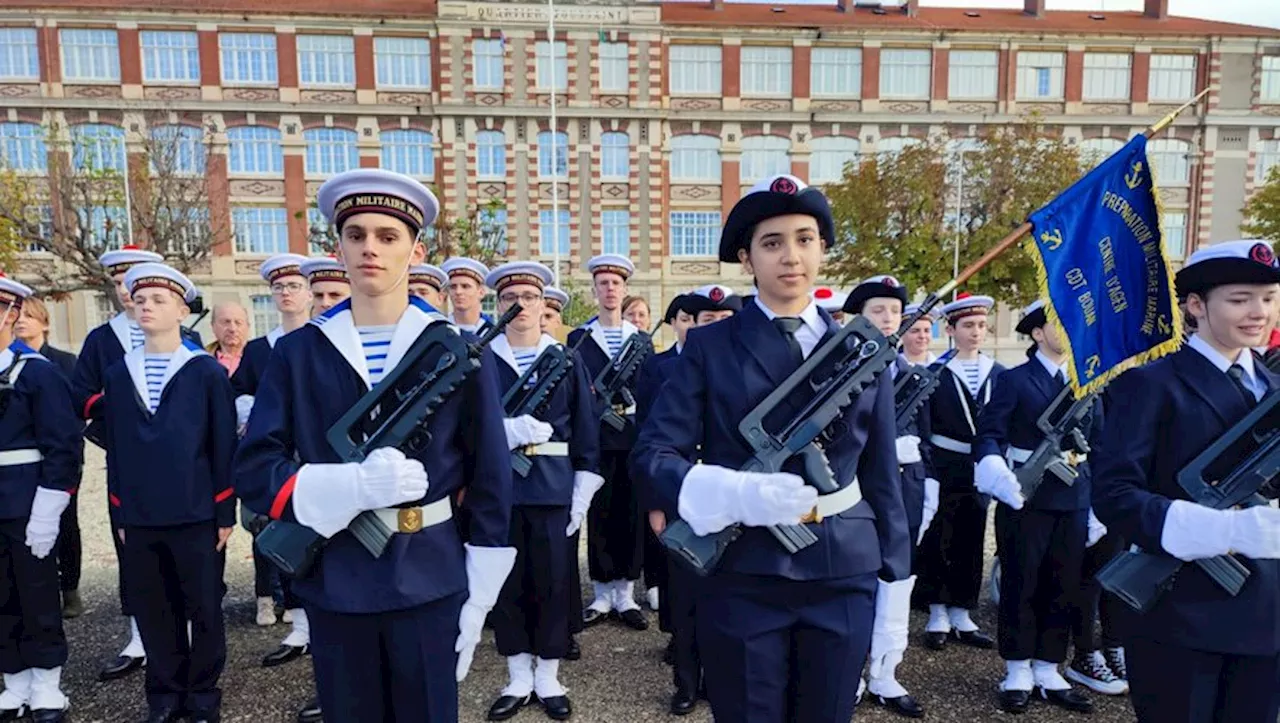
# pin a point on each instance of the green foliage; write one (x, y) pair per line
(1262, 212)
(472, 234)
(580, 307)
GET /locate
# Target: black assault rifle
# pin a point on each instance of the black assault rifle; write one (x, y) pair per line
(1141, 578)
(614, 381)
(395, 413)
(531, 392)
(1057, 425)
(913, 387)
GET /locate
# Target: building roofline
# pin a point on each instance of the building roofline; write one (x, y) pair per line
(253, 8)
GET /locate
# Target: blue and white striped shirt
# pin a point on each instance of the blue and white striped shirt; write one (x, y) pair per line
(154, 367)
(376, 341)
(971, 370)
(136, 337)
(613, 339)
(525, 357)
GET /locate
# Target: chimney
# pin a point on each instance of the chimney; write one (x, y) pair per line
(1034, 8)
(717, 4)
(1156, 9)
(911, 8)
(844, 6)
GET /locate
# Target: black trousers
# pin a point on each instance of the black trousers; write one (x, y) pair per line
(178, 578)
(30, 605)
(123, 576)
(679, 605)
(532, 612)
(655, 559)
(575, 584)
(1041, 554)
(1096, 608)
(69, 550)
(1172, 684)
(949, 561)
(615, 524)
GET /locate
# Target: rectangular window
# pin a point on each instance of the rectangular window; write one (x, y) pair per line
(22, 147)
(19, 54)
(327, 60)
(614, 67)
(265, 315)
(491, 154)
(553, 155)
(260, 230)
(402, 63)
(615, 156)
(1172, 78)
(486, 57)
(695, 233)
(1040, 75)
(905, 74)
(836, 72)
(1268, 158)
(248, 59)
(493, 229)
(1271, 79)
(552, 65)
(254, 149)
(90, 55)
(616, 232)
(1106, 76)
(766, 71)
(1174, 229)
(553, 231)
(170, 56)
(973, 74)
(695, 69)
(409, 152)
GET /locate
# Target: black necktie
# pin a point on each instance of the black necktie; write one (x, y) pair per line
(1060, 378)
(788, 325)
(1236, 373)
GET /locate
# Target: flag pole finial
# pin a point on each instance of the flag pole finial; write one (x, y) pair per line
(1165, 121)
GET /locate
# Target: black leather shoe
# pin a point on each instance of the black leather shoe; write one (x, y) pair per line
(591, 616)
(974, 639)
(634, 619)
(574, 652)
(1072, 699)
(507, 706)
(163, 715)
(8, 714)
(47, 715)
(284, 654)
(669, 655)
(905, 705)
(935, 641)
(1014, 701)
(557, 707)
(683, 702)
(120, 667)
(311, 713)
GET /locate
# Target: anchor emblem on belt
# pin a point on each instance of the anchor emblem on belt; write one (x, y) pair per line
(409, 519)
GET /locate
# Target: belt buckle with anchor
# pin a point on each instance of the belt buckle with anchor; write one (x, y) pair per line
(409, 519)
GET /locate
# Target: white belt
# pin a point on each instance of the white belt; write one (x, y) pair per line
(546, 449)
(951, 445)
(837, 502)
(415, 519)
(1018, 455)
(15, 457)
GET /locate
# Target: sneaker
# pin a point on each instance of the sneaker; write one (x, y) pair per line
(1091, 671)
(266, 611)
(1115, 661)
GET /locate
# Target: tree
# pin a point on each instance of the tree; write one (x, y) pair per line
(580, 307)
(898, 214)
(81, 207)
(475, 234)
(1262, 212)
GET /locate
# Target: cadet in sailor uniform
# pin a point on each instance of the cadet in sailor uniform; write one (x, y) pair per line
(950, 557)
(40, 458)
(881, 299)
(1199, 655)
(390, 636)
(531, 620)
(170, 425)
(553, 302)
(427, 282)
(329, 282)
(615, 523)
(784, 631)
(466, 293)
(1041, 540)
(915, 342)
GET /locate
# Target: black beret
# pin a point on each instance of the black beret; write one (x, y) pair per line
(1033, 318)
(1230, 262)
(777, 196)
(876, 287)
(712, 298)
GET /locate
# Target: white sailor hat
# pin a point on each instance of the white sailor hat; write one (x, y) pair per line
(120, 260)
(1247, 261)
(324, 268)
(883, 286)
(611, 264)
(519, 272)
(913, 308)
(712, 297)
(374, 190)
(467, 267)
(828, 298)
(433, 276)
(160, 276)
(1033, 317)
(967, 304)
(12, 293)
(555, 298)
(280, 266)
(776, 196)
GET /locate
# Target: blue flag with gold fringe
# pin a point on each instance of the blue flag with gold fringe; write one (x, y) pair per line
(1103, 270)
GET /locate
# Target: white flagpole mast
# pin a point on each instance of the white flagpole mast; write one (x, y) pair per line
(555, 134)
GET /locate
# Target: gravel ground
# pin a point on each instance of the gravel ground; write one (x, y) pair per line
(620, 677)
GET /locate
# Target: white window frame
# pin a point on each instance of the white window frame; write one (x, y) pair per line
(835, 73)
(766, 71)
(330, 151)
(695, 69)
(764, 157)
(973, 74)
(615, 156)
(560, 141)
(1270, 71)
(695, 159)
(1094, 151)
(90, 55)
(1172, 78)
(906, 73)
(829, 155)
(255, 151)
(95, 141)
(188, 155)
(409, 151)
(893, 145)
(488, 58)
(266, 316)
(96, 217)
(1173, 228)
(1268, 157)
(552, 65)
(23, 148)
(326, 61)
(170, 56)
(1170, 160)
(547, 221)
(402, 63)
(260, 230)
(1107, 77)
(19, 55)
(491, 158)
(615, 231)
(694, 233)
(248, 59)
(615, 67)
(1037, 65)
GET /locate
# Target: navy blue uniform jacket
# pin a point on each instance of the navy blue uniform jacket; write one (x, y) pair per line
(953, 413)
(253, 363)
(653, 373)
(725, 370)
(594, 353)
(38, 415)
(1164, 414)
(103, 347)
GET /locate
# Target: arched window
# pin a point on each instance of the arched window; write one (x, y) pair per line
(893, 145)
(408, 152)
(1096, 150)
(491, 154)
(764, 156)
(553, 154)
(1268, 158)
(331, 150)
(829, 157)
(97, 147)
(178, 150)
(1170, 160)
(255, 149)
(22, 147)
(695, 158)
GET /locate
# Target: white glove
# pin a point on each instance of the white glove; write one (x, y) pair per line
(932, 491)
(326, 497)
(42, 527)
(244, 405)
(713, 497)
(585, 486)
(525, 430)
(1192, 532)
(908, 449)
(487, 571)
(1096, 529)
(892, 620)
(993, 477)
